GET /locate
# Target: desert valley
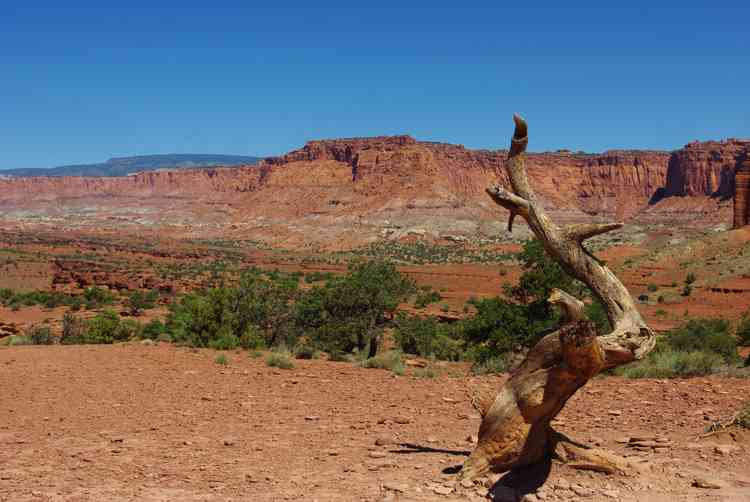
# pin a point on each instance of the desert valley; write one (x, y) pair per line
(176, 411)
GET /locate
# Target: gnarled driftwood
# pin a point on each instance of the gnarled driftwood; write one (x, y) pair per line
(515, 429)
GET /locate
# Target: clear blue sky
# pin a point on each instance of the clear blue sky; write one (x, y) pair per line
(80, 82)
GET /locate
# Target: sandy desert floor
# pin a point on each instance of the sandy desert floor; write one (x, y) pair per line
(158, 423)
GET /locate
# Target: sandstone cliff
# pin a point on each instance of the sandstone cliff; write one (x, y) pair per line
(360, 189)
(704, 168)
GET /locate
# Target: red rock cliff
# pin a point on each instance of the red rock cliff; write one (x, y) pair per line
(742, 192)
(704, 168)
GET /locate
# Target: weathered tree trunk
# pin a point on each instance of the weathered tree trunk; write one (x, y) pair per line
(515, 429)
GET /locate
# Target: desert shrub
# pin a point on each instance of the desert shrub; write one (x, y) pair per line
(221, 359)
(317, 276)
(743, 330)
(670, 363)
(541, 274)
(107, 327)
(426, 297)
(339, 357)
(138, 301)
(252, 338)
(96, 297)
(280, 359)
(500, 327)
(224, 340)
(74, 330)
(15, 340)
(496, 364)
(153, 330)
(687, 290)
(257, 312)
(48, 299)
(704, 335)
(652, 288)
(426, 337)
(427, 372)
(743, 417)
(40, 335)
(390, 360)
(598, 315)
(690, 278)
(350, 312)
(305, 350)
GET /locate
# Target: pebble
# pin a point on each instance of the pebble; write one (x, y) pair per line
(467, 483)
(377, 454)
(395, 487)
(312, 418)
(442, 490)
(229, 441)
(726, 449)
(711, 484)
(582, 491)
(384, 440)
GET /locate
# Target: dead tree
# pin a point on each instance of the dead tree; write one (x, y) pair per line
(515, 429)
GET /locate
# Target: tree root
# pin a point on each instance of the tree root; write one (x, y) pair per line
(579, 456)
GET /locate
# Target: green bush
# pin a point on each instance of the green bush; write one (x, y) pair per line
(391, 360)
(652, 288)
(225, 340)
(743, 417)
(426, 338)
(96, 297)
(154, 329)
(350, 312)
(107, 327)
(40, 335)
(426, 297)
(258, 312)
(138, 301)
(427, 372)
(221, 359)
(704, 335)
(282, 360)
(671, 363)
(15, 340)
(743, 330)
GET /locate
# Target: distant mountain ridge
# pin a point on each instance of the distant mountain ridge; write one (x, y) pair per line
(122, 166)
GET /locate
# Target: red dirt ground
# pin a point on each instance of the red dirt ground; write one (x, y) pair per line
(156, 423)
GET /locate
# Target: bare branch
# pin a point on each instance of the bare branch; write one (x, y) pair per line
(585, 231)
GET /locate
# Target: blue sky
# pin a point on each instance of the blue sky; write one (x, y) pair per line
(81, 82)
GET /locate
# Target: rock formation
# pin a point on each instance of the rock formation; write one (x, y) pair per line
(742, 192)
(360, 189)
(704, 168)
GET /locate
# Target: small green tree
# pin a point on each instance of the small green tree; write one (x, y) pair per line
(350, 312)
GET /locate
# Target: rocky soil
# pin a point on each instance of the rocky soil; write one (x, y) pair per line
(155, 423)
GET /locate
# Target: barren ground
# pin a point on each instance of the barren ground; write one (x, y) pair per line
(155, 423)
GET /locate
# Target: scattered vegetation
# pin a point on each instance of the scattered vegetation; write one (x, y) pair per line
(280, 359)
(221, 359)
(698, 347)
(392, 360)
(138, 301)
(422, 253)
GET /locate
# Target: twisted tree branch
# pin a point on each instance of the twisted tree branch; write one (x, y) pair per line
(515, 427)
